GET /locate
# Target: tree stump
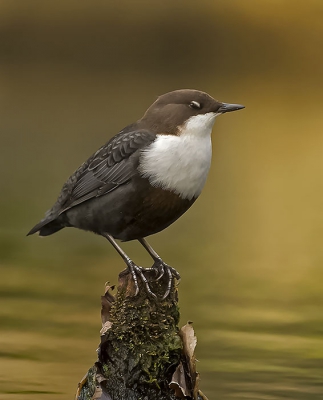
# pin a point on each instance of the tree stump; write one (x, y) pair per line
(143, 355)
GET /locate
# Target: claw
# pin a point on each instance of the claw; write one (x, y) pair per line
(169, 284)
(136, 270)
(161, 268)
(131, 267)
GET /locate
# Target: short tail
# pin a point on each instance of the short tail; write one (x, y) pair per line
(46, 227)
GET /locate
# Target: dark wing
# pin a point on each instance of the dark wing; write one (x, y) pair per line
(112, 165)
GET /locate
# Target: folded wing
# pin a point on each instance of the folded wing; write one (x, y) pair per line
(114, 164)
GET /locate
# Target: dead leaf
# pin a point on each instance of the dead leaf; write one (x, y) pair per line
(106, 303)
(107, 325)
(189, 343)
(178, 383)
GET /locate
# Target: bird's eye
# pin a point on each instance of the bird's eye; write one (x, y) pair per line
(195, 105)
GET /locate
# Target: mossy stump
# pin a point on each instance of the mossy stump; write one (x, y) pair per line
(143, 355)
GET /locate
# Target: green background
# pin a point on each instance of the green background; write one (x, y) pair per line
(72, 74)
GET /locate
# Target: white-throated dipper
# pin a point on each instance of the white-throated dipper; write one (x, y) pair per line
(144, 178)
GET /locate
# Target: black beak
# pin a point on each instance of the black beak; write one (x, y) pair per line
(227, 107)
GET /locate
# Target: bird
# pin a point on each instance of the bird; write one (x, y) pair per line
(143, 179)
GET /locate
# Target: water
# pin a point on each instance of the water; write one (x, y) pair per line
(250, 249)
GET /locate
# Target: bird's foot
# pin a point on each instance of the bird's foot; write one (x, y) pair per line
(136, 272)
(161, 268)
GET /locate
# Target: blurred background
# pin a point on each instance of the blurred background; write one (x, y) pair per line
(250, 253)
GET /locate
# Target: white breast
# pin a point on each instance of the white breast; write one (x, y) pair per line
(181, 163)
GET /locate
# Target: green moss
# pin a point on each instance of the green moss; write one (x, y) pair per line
(142, 349)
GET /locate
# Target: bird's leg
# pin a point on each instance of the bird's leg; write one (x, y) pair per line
(158, 260)
(133, 268)
(161, 266)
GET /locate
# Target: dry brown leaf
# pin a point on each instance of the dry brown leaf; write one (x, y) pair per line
(106, 303)
(107, 325)
(178, 383)
(189, 343)
(98, 393)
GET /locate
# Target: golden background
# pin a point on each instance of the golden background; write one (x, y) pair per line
(250, 254)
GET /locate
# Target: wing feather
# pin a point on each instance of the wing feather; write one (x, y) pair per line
(111, 166)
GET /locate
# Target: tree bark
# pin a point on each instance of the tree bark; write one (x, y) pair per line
(143, 355)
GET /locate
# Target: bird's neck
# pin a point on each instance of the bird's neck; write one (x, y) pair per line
(180, 163)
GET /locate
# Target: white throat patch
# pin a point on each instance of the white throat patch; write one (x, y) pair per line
(181, 163)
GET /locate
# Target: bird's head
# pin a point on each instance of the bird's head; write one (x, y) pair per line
(174, 110)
